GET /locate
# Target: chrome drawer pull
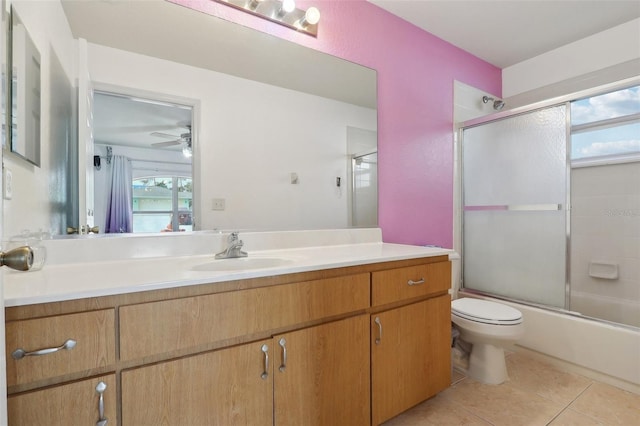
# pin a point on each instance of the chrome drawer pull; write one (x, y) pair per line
(379, 338)
(412, 282)
(21, 353)
(265, 373)
(282, 344)
(100, 388)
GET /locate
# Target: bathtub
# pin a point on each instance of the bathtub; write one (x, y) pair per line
(598, 350)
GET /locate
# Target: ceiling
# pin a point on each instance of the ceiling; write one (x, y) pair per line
(505, 32)
(137, 122)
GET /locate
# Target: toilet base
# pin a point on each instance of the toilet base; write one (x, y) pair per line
(487, 364)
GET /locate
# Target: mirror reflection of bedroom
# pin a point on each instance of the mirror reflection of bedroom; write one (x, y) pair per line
(142, 165)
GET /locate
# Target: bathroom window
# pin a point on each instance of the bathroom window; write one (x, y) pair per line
(606, 128)
(158, 200)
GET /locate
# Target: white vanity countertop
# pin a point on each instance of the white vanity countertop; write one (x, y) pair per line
(67, 281)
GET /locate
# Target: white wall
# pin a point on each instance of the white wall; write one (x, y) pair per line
(602, 58)
(467, 103)
(248, 139)
(605, 229)
(37, 191)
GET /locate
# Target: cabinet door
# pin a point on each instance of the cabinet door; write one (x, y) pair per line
(72, 404)
(226, 387)
(410, 356)
(325, 377)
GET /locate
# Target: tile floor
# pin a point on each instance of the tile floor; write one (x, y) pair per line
(536, 394)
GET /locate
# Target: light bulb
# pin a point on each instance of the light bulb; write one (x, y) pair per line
(288, 6)
(187, 151)
(312, 16)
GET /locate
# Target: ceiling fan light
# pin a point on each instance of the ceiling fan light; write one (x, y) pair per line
(187, 151)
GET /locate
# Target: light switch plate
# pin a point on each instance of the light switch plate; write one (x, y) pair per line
(218, 204)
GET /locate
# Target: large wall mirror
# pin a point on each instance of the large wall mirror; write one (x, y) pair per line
(280, 137)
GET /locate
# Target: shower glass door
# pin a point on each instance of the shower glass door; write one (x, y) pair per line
(365, 190)
(514, 206)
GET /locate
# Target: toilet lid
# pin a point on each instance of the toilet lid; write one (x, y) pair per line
(485, 311)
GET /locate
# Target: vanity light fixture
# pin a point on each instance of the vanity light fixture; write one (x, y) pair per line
(283, 12)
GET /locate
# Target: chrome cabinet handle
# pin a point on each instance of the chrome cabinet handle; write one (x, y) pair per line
(282, 344)
(265, 373)
(100, 388)
(21, 353)
(412, 282)
(379, 338)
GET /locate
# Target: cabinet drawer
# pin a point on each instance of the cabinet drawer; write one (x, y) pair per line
(160, 327)
(394, 285)
(71, 404)
(93, 332)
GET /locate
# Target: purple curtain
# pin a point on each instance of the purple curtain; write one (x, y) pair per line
(120, 198)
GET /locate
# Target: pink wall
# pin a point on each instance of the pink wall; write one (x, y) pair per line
(416, 71)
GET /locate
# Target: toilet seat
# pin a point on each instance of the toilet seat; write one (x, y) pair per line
(485, 311)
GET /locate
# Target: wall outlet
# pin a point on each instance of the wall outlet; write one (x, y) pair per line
(218, 204)
(7, 190)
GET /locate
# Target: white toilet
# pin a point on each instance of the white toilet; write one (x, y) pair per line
(489, 327)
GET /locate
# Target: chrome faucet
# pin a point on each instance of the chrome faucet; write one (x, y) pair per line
(234, 248)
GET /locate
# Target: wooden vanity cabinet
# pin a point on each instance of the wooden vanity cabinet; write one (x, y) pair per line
(347, 346)
(410, 344)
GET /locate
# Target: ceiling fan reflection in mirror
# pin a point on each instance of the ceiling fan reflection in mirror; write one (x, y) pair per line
(183, 139)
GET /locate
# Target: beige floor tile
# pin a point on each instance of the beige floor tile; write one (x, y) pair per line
(572, 418)
(609, 405)
(437, 411)
(503, 404)
(543, 379)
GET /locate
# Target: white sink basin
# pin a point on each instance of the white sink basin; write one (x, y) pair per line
(242, 263)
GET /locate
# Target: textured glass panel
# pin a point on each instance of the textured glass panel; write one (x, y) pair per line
(519, 160)
(520, 255)
(516, 163)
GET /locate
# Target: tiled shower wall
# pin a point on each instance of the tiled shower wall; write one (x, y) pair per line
(605, 234)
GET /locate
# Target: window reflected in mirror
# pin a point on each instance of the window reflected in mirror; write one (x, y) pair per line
(157, 201)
